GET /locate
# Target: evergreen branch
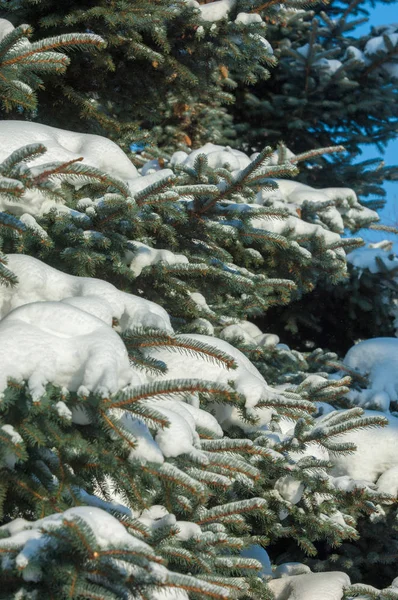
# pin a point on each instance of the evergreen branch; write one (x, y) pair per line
(26, 153)
(140, 338)
(53, 169)
(316, 152)
(164, 389)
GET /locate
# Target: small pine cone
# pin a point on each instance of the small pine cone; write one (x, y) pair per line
(224, 71)
(179, 108)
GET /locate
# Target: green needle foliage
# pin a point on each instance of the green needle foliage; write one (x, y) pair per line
(166, 64)
(336, 85)
(24, 65)
(135, 459)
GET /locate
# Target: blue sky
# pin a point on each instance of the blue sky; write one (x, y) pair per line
(382, 15)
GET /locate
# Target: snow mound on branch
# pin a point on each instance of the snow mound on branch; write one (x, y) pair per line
(369, 257)
(341, 207)
(310, 586)
(217, 156)
(179, 437)
(38, 282)
(51, 342)
(377, 359)
(388, 482)
(376, 450)
(145, 256)
(62, 145)
(5, 28)
(249, 333)
(328, 208)
(157, 516)
(293, 226)
(215, 11)
(377, 46)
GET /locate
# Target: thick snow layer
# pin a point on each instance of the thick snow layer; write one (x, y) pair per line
(356, 53)
(377, 359)
(248, 18)
(51, 342)
(37, 282)
(297, 228)
(158, 516)
(311, 586)
(377, 44)
(146, 449)
(247, 379)
(290, 489)
(63, 145)
(376, 450)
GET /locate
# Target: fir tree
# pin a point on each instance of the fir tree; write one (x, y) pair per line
(165, 65)
(138, 460)
(336, 86)
(24, 64)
